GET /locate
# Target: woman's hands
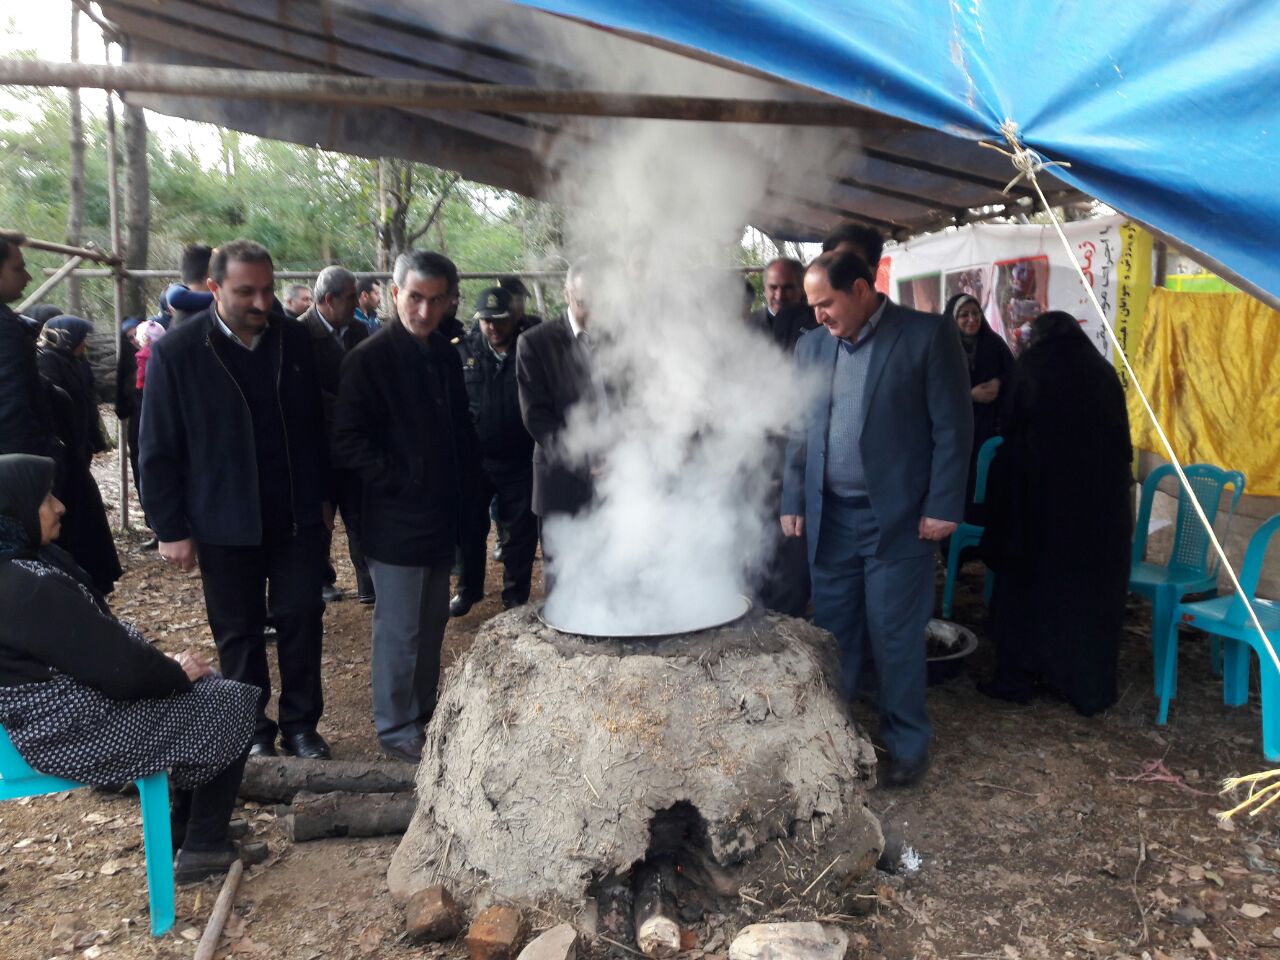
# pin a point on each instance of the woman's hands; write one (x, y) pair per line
(194, 665)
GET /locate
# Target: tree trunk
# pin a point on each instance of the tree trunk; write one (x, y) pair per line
(75, 186)
(137, 189)
(315, 817)
(278, 779)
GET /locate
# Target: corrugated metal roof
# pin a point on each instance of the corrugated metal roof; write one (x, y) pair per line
(903, 180)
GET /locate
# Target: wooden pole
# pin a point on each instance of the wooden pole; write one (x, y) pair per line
(55, 278)
(75, 180)
(221, 910)
(113, 199)
(89, 253)
(494, 98)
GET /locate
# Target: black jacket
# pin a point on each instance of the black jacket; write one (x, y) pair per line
(26, 423)
(47, 623)
(402, 422)
(787, 325)
(495, 401)
(554, 374)
(329, 354)
(197, 459)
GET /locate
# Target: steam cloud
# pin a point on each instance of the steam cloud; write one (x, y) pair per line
(695, 400)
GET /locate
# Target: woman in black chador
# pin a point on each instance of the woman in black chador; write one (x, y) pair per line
(990, 383)
(1060, 522)
(64, 364)
(86, 697)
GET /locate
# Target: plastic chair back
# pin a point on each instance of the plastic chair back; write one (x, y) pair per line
(1190, 555)
(986, 453)
(1251, 572)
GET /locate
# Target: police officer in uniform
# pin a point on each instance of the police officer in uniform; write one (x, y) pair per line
(488, 355)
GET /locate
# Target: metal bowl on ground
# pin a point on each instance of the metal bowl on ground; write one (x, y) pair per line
(948, 647)
(739, 609)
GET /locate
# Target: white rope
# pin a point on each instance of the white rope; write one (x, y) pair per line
(1028, 164)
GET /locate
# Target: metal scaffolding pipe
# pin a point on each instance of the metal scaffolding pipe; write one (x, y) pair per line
(484, 97)
(88, 253)
(55, 278)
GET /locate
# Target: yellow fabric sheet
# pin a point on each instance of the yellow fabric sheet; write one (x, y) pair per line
(1208, 363)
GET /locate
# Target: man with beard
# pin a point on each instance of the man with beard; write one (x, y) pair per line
(402, 422)
(233, 461)
(488, 356)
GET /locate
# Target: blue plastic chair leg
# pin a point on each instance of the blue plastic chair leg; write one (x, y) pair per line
(1270, 707)
(953, 567)
(1235, 675)
(1166, 678)
(1215, 655)
(1162, 605)
(157, 842)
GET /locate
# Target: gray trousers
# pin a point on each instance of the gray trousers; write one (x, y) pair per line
(409, 618)
(878, 611)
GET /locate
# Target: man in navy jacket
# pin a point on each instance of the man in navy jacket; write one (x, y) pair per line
(875, 477)
(232, 461)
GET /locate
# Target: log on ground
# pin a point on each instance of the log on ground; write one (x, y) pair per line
(279, 779)
(315, 817)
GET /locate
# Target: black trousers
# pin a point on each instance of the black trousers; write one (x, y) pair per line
(199, 817)
(349, 496)
(511, 482)
(237, 584)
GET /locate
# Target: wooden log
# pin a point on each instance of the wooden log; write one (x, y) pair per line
(317, 816)
(279, 779)
(221, 910)
(657, 931)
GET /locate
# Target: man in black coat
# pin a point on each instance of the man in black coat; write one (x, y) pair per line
(783, 286)
(334, 333)
(488, 356)
(233, 461)
(26, 422)
(553, 370)
(402, 422)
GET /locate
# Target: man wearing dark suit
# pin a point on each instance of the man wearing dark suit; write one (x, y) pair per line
(874, 478)
(553, 373)
(784, 315)
(334, 333)
(403, 423)
(233, 457)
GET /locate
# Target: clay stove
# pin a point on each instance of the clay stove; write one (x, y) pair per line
(643, 777)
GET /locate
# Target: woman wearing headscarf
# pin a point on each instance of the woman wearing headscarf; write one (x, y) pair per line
(1060, 522)
(991, 366)
(86, 697)
(63, 362)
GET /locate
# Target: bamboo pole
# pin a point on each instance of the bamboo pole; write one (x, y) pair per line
(494, 98)
(55, 278)
(117, 287)
(221, 910)
(88, 253)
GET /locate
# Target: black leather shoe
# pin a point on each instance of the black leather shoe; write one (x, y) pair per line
(906, 774)
(409, 751)
(152, 544)
(367, 599)
(459, 607)
(263, 748)
(307, 745)
(331, 594)
(192, 866)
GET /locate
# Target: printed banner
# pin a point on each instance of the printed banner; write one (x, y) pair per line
(1015, 271)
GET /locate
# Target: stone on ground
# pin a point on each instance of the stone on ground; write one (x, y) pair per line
(496, 934)
(789, 941)
(558, 943)
(432, 914)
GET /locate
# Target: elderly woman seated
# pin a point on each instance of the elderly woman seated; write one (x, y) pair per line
(86, 697)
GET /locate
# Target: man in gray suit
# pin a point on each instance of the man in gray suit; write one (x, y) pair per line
(875, 478)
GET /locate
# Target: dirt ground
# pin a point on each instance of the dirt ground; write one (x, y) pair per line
(1039, 834)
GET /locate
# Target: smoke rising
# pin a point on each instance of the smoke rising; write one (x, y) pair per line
(693, 400)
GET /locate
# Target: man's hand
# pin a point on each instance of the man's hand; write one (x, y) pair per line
(792, 525)
(986, 392)
(931, 529)
(194, 665)
(181, 553)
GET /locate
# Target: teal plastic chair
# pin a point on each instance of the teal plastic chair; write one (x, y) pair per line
(1189, 569)
(17, 779)
(1227, 617)
(970, 534)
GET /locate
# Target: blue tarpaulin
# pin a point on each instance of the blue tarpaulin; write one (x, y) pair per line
(1166, 110)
